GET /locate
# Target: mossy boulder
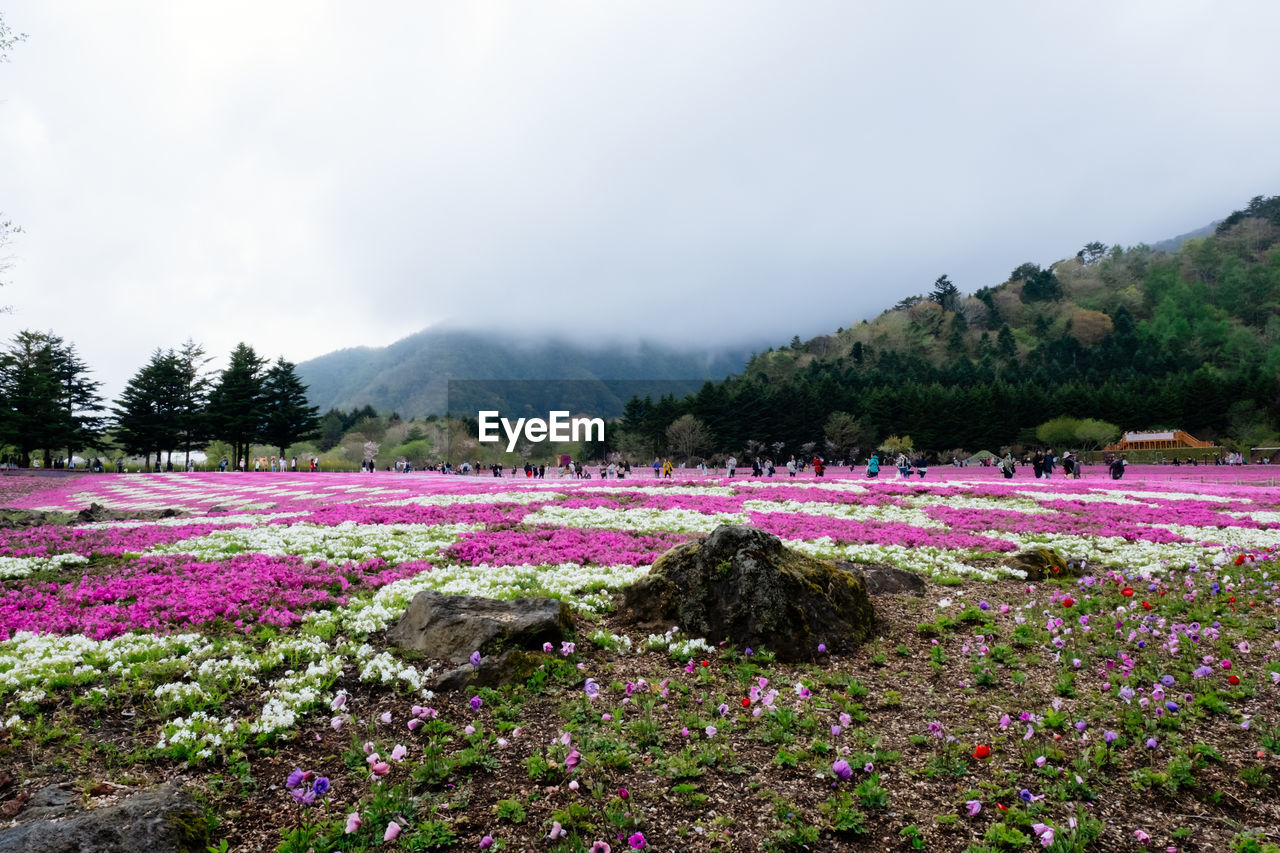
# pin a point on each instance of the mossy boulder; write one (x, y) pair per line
(1041, 562)
(743, 585)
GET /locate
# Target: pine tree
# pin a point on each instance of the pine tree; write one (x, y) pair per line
(236, 403)
(48, 402)
(289, 416)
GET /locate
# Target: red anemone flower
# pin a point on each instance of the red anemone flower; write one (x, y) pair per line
(1067, 602)
(981, 751)
(1127, 592)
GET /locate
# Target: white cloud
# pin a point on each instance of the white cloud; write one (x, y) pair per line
(307, 176)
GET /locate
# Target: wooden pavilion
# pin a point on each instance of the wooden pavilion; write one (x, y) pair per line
(1170, 439)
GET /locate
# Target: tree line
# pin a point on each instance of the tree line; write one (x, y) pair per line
(50, 408)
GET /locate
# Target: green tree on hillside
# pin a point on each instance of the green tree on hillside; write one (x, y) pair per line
(1042, 286)
(1006, 346)
(1092, 252)
(945, 293)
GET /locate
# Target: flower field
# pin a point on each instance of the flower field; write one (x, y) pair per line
(1134, 707)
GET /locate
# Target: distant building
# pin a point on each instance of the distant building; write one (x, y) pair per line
(1169, 439)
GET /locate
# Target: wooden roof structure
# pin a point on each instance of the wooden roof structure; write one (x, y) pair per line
(1169, 439)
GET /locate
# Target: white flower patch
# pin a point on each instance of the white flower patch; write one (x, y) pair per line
(619, 643)
(625, 486)
(582, 587)
(233, 668)
(295, 693)
(1025, 503)
(21, 567)
(1260, 516)
(641, 520)
(187, 521)
(28, 659)
(197, 736)
(384, 668)
(1083, 497)
(925, 560)
(1179, 496)
(683, 649)
(834, 486)
(1145, 558)
(1238, 537)
(177, 692)
(857, 512)
(346, 542)
(480, 498)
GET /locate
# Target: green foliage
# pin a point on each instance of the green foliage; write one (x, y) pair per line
(842, 814)
(1083, 433)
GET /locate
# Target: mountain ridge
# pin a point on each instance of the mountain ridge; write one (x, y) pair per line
(411, 375)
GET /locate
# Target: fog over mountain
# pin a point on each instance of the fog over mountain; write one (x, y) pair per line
(411, 376)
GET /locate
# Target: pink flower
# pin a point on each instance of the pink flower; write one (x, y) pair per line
(601, 847)
(1142, 837)
(974, 806)
(392, 833)
(557, 832)
(636, 841)
(353, 822)
(386, 717)
(398, 753)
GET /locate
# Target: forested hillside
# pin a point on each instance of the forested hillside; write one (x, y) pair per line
(1131, 336)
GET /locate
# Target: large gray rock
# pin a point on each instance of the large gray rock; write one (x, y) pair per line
(743, 585)
(157, 820)
(453, 626)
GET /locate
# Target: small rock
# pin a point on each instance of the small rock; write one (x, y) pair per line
(885, 580)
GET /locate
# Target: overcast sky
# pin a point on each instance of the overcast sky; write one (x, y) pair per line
(312, 176)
